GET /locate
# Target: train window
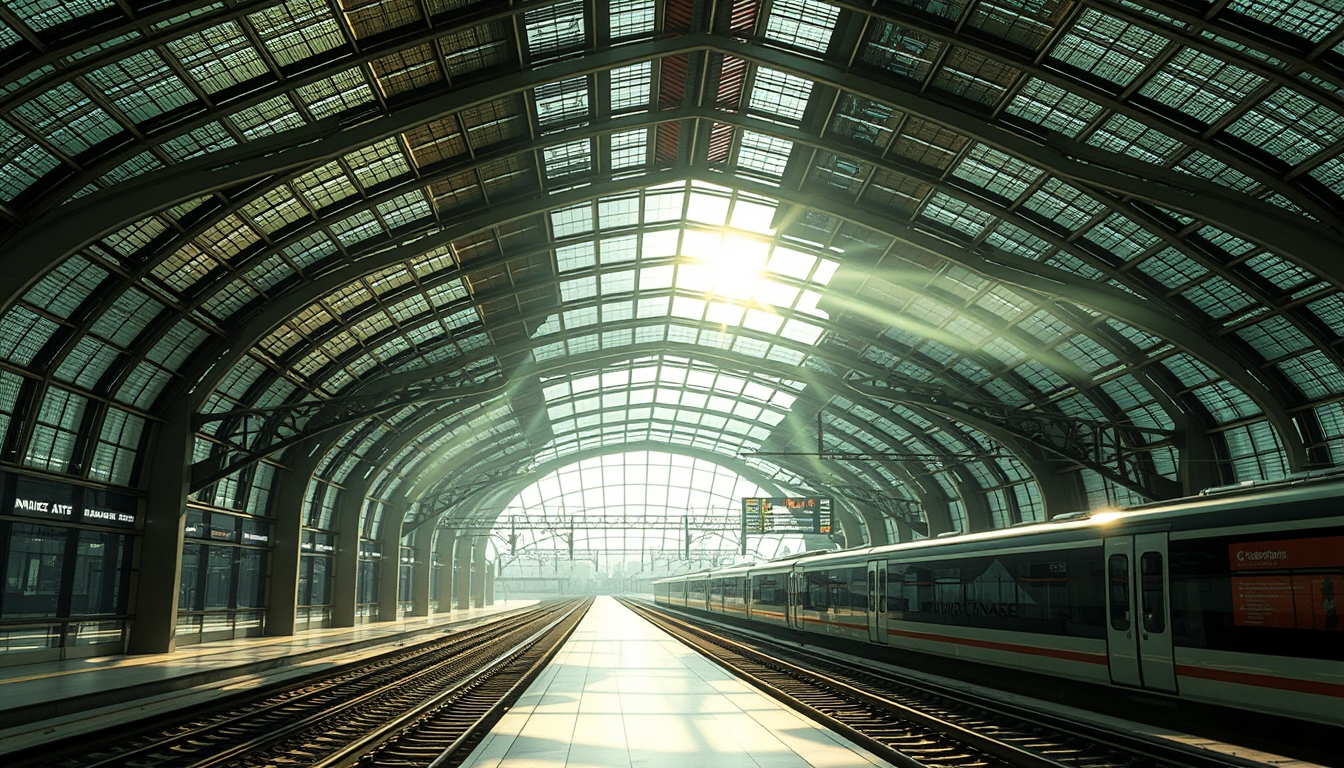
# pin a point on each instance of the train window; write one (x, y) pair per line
(767, 590)
(882, 591)
(1119, 591)
(872, 591)
(1154, 611)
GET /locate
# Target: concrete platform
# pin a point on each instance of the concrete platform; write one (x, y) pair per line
(624, 693)
(59, 699)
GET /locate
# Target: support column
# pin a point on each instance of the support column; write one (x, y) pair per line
(389, 570)
(345, 580)
(490, 583)
(443, 544)
(978, 517)
(462, 573)
(1198, 467)
(849, 526)
(286, 555)
(478, 565)
(159, 567)
(1060, 494)
(424, 571)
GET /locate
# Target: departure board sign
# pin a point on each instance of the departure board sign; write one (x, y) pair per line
(786, 514)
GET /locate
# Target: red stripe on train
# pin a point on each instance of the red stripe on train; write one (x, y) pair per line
(1079, 656)
(863, 627)
(1334, 690)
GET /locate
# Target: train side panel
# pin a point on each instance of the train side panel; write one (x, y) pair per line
(1242, 593)
(834, 600)
(1071, 657)
(1302, 688)
(769, 603)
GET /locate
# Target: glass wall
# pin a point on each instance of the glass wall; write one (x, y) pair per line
(222, 592)
(66, 553)
(366, 590)
(406, 581)
(317, 549)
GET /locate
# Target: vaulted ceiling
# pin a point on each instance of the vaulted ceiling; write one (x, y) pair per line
(958, 264)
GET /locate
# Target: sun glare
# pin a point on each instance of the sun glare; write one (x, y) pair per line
(735, 269)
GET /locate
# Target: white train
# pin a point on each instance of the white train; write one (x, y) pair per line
(1223, 598)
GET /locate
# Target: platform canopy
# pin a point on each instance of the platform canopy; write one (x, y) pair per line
(956, 264)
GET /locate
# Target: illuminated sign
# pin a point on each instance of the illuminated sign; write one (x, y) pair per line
(1271, 589)
(38, 498)
(786, 514)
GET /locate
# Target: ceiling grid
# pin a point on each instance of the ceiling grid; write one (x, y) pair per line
(606, 239)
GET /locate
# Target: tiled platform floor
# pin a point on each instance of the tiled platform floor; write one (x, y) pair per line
(624, 693)
(61, 692)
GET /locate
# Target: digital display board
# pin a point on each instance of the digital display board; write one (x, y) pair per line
(786, 514)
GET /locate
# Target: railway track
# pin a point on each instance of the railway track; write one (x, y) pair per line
(914, 725)
(425, 707)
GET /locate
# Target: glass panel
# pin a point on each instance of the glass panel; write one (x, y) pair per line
(94, 633)
(188, 593)
(1119, 592)
(218, 576)
(101, 562)
(33, 571)
(21, 639)
(1154, 608)
(251, 578)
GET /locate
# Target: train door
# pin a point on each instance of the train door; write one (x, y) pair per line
(1138, 631)
(877, 601)
(795, 581)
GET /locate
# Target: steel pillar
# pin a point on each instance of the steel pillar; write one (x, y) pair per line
(286, 555)
(479, 569)
(422, 573)
(345, 566)
(490, 583)
(159, 566)
(443, 544)
(389, 569)
(462, 573)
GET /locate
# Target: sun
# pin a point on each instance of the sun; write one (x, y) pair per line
(732, 269)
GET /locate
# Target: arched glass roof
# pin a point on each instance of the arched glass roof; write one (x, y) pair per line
(959, 264)
(626, 504)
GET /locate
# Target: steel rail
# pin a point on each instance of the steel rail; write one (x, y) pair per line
(331, 729)
(269, 703)
(437, 734)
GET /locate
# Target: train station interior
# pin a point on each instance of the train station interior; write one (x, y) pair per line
(329, 318)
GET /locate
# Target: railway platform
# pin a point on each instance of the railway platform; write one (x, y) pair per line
(60, 699)
(622, 693)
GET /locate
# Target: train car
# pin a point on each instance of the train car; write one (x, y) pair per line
(770, 601)
(1222, 598)
(729, 591)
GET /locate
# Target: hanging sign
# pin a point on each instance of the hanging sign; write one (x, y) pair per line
(786, 514)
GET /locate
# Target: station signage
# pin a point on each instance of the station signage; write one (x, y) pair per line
(112, 509)
(62, 502)
(786, 514)
(1281, 584)
(317, 542)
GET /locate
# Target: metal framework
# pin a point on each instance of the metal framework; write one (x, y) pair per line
(1009, 251)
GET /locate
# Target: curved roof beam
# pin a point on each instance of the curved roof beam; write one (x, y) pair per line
(105, 211)
(425, 488)
(387, 395)
(1011, 270)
